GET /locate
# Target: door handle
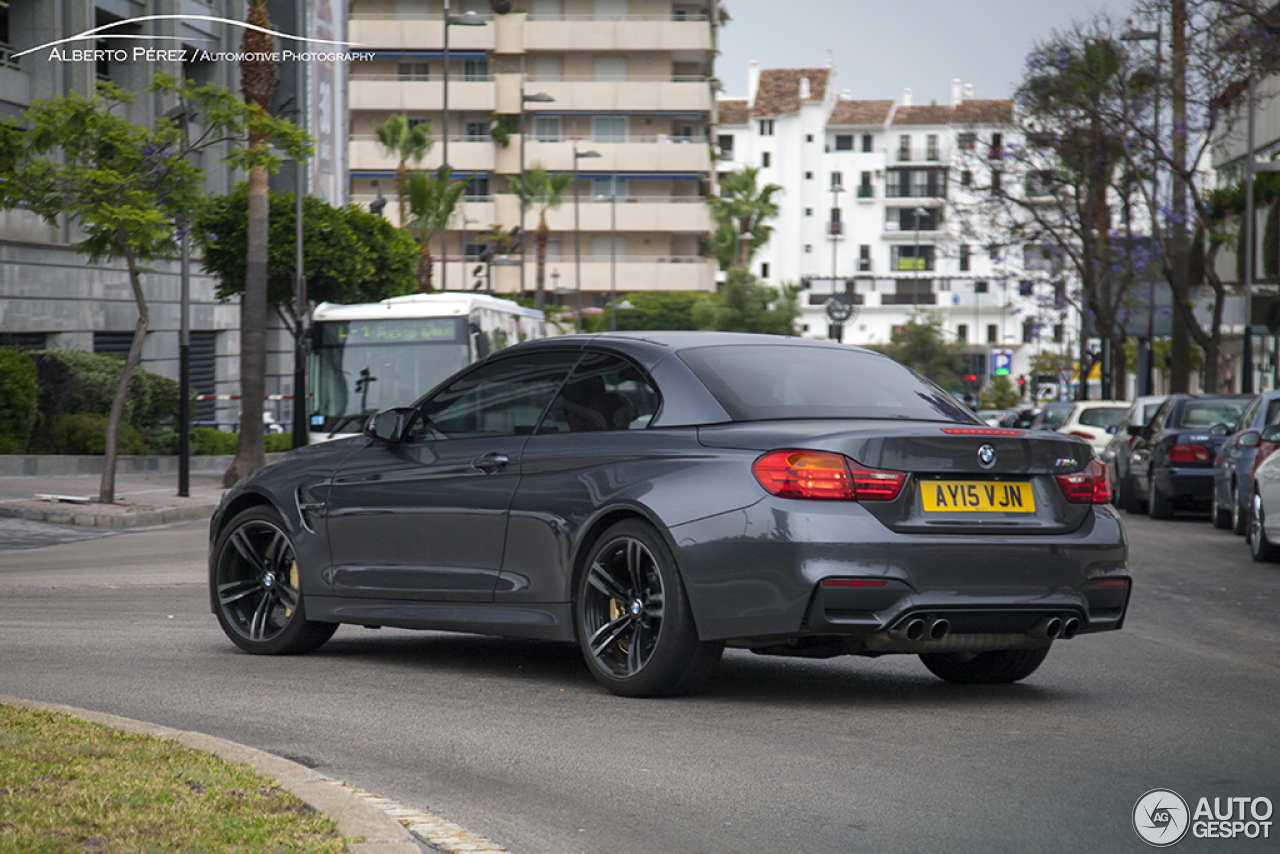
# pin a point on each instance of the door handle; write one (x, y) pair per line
(490, 463)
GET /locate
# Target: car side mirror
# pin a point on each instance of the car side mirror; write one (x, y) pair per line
(390, 426)
(1271, 434)
(1249, 439)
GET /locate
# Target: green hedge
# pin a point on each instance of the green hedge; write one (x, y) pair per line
(86, 433)
(19, 400)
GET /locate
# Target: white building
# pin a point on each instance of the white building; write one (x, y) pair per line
(871, 196)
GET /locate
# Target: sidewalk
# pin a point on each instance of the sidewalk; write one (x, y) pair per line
(64, 490)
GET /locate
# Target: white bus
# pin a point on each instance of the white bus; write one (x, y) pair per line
(373, 356)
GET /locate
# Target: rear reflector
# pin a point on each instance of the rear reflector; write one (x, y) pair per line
(1111, 582)
(852, 582)
(1091, 486)
(813, 474)
(979, 431)
(1188, 454)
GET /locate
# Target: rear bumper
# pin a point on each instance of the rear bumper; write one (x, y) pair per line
(759, 573)
(1191, 483)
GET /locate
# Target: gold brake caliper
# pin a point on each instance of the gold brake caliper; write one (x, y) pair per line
(293, 582)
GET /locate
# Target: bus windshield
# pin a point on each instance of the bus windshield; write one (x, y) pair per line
(359, 367)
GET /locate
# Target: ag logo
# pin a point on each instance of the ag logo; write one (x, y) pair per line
(986, 456)
(1161, 817)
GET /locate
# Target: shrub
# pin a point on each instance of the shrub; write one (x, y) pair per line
(206, 441)
(278, 442)
(86, 433)
(19, 396)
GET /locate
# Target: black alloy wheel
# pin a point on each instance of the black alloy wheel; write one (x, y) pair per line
(996, 667)
(634, 624)
(257, 590)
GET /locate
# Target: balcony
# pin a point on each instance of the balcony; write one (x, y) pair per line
(389, 93)
(635, 154)
(866, 192)
(656, 273)
(412, 32)
(665, 93)
(681, 215)
(835, 230)
(466, 154)
(633, 33)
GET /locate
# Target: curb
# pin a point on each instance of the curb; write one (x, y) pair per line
(129, 519)
(356, 816)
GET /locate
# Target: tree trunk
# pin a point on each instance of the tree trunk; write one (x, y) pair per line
(1180, 343)
(540, 270)
(107, 486)
(251, 452)
(424, 268)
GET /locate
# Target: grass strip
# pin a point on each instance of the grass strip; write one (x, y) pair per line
(67, 785)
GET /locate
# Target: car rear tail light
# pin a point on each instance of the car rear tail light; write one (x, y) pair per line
(979, 431)
(812, 474)
(1188, 454)
(1091, 486)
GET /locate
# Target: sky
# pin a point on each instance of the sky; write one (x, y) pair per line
(881, 47)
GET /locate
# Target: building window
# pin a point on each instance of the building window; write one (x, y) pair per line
(475, 70)
(980, 287)
(966, 141)
(964, 257)
(765, 160)
(766, 127)
(474, 131)
(609, 129)
(808, 176)
(603, 188)
(546, 129)
(911, 292)
(808, 137)
(837, 179)
(844, 142)
(834, 226)
(866, 143)
(993, 333)
(413, 71)
(808, 211)
(1058, 330)
(904, 148)
(477, 187)
(995, 182)
(997, 146)
(864, 258)
(906, 258)
(1026, 288)
(725, 142)
(931, 147)
(764, 269)
(962, 333)
(966, 178)
(808, 248)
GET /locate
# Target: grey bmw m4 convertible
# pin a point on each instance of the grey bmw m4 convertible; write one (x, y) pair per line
(656, 497)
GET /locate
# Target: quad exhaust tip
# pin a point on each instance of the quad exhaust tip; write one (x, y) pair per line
(922, 628)
(1052, 628)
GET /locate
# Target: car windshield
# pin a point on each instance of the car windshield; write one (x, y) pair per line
(789, 381)
(1054, 414)
(1103, 416)
(1207, 414)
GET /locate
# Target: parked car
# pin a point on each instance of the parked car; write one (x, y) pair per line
(657, 496)
(1173, 455)
(1094, 421)
(1116, 455)
(1051, 415)
(996, 417)
(1263, 529)
(1234, 464)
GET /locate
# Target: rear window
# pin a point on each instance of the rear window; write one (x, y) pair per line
(758, 382)
(1207, 414)
(1103, 417)
(1053, 416)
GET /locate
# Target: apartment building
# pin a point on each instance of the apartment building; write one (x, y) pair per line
(871, 207)
(619, 91)
(50, 295)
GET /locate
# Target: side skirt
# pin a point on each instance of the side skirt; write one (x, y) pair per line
(552, 621)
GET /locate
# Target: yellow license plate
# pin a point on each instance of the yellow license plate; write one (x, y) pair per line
(977, 496)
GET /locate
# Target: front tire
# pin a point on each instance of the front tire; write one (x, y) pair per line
(634, 623)
(257, 590)
(1260, 548)
(998, 667)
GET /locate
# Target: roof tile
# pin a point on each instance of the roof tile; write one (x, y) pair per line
(779, 89)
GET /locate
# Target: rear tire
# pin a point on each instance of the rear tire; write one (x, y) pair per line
(1239, 513)
(634, 623)
(998, 667)
(1260, 548)
(1159, 505)
(1221, 516)
(1136, 505)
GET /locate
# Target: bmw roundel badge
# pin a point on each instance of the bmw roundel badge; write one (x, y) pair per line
(986, 456)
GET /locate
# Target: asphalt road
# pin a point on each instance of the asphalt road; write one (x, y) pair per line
(515, 741)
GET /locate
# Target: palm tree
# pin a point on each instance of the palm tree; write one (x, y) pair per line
(431, 200)
(740, 212)
(257, 85)
(410, 144)
(546, 190)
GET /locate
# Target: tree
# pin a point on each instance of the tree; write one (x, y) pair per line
(741, 212)
(349, 254)
(409, 144)
(650, 310)
(431, 202)
(1000, 393)
(126, 186)
(257, 85)
(545, 190)
(925, 345)
(743, 304)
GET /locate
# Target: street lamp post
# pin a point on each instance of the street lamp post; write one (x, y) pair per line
(835, 227)
(918, 214)
(1146, 348)
(471, 19)
(535, 98)
(182, 115)
(613, 252)
(577, 235)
